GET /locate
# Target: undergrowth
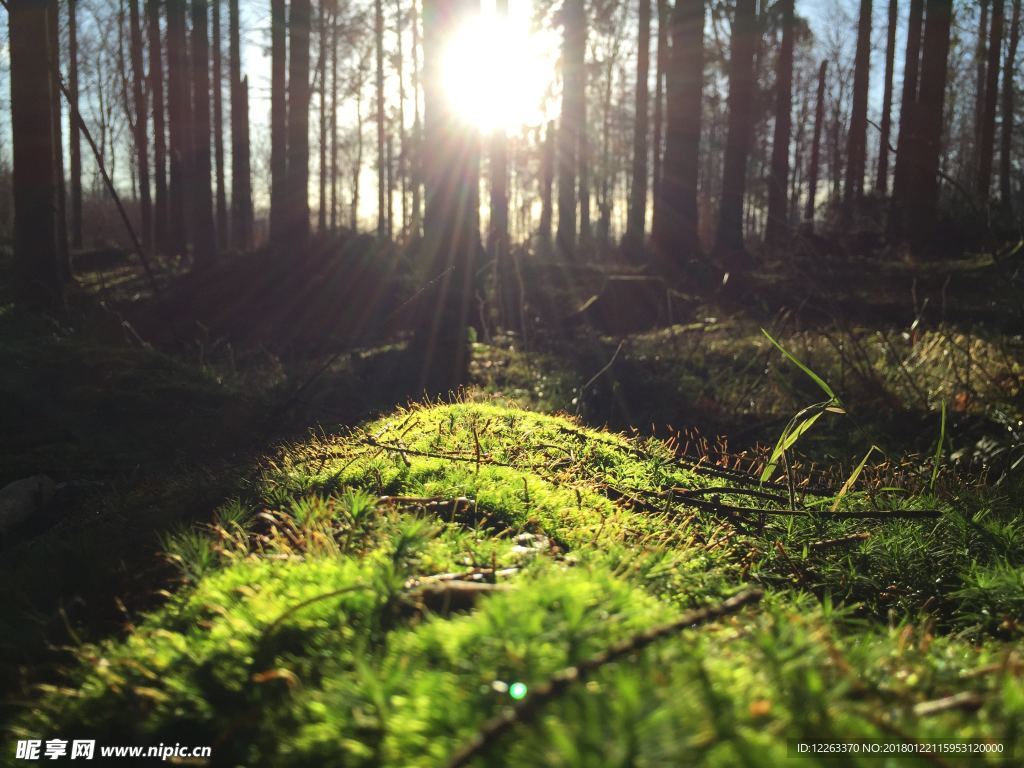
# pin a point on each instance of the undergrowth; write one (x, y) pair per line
(378, 595)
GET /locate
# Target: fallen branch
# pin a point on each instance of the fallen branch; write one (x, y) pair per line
(530, 707)
(855, 538)
(968, 701)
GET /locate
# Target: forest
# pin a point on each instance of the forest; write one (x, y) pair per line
(512, 382)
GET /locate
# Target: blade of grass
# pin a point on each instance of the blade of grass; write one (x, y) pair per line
(814, 377)
(853, 477)
(939, 448)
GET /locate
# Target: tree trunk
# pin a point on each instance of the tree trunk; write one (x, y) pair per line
(204, 236)
(63, 254)
(777, 226)
(675, 236)
(299, 23)
(156, 92)
(729, 240)
(497, 234)
(856, 143)
(547, 180)
(321, 212)
(33, 49)
(179, 119)
(451, 225)
(569, 128)
(813, 171)
(980, 58)
(74, 135)
(988, 123)
(924, 182)
(882, 175)
(403, 148)
(223, 241)
(279, 205)
(906, 143)
(664, 13)
(382, 187)
(417, 131)
(1006, 137)
(334, 114)
(637, 215)
(141, 124)
(241, 175)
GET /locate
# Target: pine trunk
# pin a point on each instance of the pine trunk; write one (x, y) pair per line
(856, 143)
(729, 240)
(156, 93)
(382, 182)
(777, 226)
(299, 25)
(569, 128)
(241, 184)
(204, 236)
(179, 123)
(223, 241)
(988, 122)
(278, 123)
(882, 175)
(637, 214)
(906, 143)
(815, 166)
(1006, 137)
(141, 124)
(664, 13)
(74, 134)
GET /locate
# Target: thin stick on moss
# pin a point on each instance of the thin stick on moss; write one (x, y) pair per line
(530, 707)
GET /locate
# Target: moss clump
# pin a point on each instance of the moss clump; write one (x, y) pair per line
(303, 634)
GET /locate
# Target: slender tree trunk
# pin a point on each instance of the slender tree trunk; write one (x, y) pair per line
(569, 129)
(241, 174)
(63, 253)
(334, 114)
(1006, 137)
(156, 92)
(924, 182)
(321, 213)
(403, 147)
(980, 59)
(299, 23)
(664, 13)
(777, 226)
(637, 215)
(451, 226)
(882, 175)
(417, 131)
(279, 204)
(358, 169)
(856, 144)
(988, 124)
(389, 179)
(547, 180)
(179, 119)
(221, 220)
(141, 124)
(33, 50)
(204, 236)
(75, 137)
(675, 237)
(497, 235)
(812, 172)
(729, 241)
(906, 142)
(382, 187)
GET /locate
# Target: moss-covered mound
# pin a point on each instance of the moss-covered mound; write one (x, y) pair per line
(396, 588)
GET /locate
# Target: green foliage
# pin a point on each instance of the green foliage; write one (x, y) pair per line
(302, 633)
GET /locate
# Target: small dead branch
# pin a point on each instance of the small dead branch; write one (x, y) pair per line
(968, 701)
(855, 538)
(530, 707)
(447, 597)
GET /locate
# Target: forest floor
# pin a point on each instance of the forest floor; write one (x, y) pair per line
(262, 541)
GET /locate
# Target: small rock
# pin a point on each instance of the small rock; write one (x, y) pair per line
(22, 499)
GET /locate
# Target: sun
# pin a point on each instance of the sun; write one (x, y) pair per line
(497, 72)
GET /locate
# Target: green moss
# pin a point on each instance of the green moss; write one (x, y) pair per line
(298, 636)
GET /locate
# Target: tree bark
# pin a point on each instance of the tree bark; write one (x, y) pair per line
(988, 123)
(141, 124)
(882, 175)
(74, 136)
(729, 241)
(637, 214)
(382, 185)
(321, 212)
(570, 125)
(156, 92)
(906, 143)
(924, 182)
(856, 143)
(334, 114)
(33, 50)
(223, 234)
(241, 174)
(451, 225)
(777, 226)
(417, 128)
(675, 236)
(1006, 137)
(179, 119)
(497, 234)
(813, 171)
(278, 123)
(664, 14)
(980, 59)
(299, 22)
(547, 180)
(204, 236)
